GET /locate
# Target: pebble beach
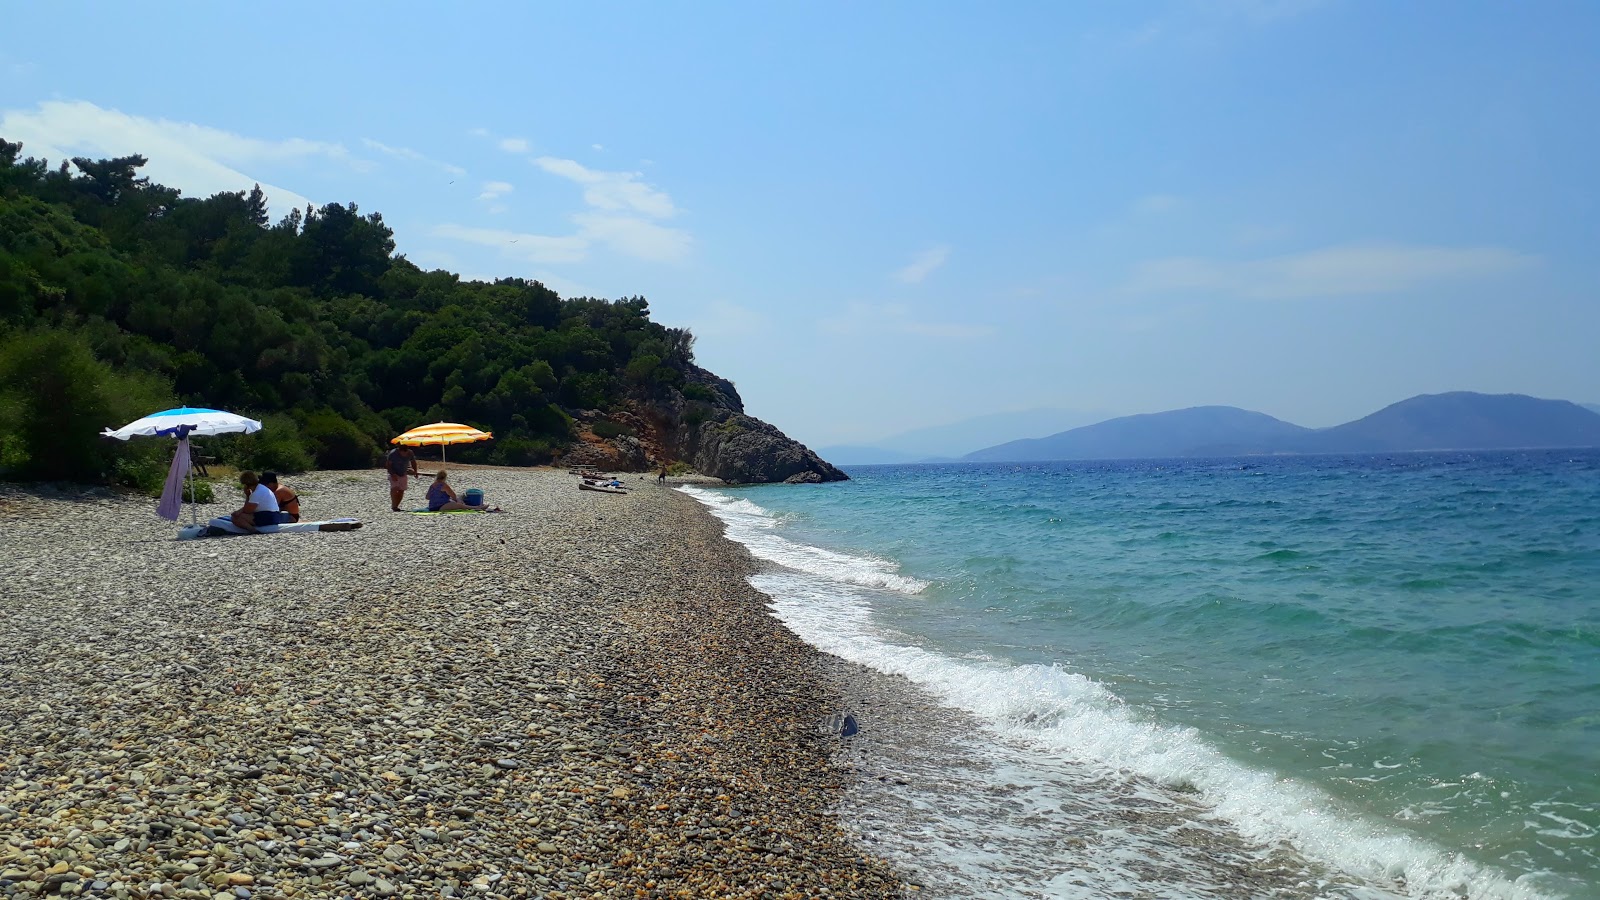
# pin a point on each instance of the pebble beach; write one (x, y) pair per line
(579, 697)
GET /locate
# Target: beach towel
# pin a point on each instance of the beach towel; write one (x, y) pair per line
(172, 493)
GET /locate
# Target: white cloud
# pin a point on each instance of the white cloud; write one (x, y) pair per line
(493, 190)
(535, 248)
(924, 265)
(611, 190)
(406, 153)
(634, 236)
(515, 145)
(479, 132)
(196, 159)
(597, 148)
(1328, 272)
(896, 318)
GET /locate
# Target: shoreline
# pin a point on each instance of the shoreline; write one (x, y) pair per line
(582, 697)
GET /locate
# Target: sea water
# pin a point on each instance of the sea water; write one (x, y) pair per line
(1389, 665)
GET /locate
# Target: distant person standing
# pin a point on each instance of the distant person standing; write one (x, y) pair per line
(400, 462)
(661, 476)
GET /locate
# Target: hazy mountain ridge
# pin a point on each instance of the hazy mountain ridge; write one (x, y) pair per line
(945, 443)
(1460, 420)
(1196, 431)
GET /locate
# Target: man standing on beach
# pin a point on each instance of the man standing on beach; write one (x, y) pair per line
(400, 462)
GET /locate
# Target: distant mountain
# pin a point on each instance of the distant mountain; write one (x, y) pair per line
(1592, 407)
(948, 442)
(1454, 421)
(849, 455)
(1198, 431)
(1465, 421)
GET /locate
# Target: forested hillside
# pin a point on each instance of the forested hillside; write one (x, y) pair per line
(119, 297)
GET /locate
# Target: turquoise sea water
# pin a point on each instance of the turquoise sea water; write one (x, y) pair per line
(1390, 663)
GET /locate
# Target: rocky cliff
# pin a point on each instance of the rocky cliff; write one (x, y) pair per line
(703, 426)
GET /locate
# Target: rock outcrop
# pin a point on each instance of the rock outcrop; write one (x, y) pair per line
(709, 430)
(704, 426)
(740, 449)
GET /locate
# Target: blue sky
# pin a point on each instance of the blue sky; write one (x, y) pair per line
(882, 217)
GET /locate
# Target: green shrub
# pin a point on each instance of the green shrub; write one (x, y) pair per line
(146, 475)
(696, 415)
(338, 443)
(56, 396)
(402, 419)
(609, 430)
(700, 392)
(278, 447)
(521, 451)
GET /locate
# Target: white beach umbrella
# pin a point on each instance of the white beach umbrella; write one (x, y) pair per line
(198, 421)
(180, 423)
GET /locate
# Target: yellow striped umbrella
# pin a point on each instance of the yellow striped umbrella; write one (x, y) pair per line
(442, 433)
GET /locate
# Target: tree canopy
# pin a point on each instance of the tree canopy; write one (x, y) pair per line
(312, 320)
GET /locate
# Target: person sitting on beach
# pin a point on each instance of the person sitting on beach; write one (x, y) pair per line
(288, 500)
(442, 497)
(260, 505)
(400, 462)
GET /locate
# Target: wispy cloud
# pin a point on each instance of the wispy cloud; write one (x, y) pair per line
(635, 237)
(409, 155)
(1329, 272)
(535, 248)
(195, 159)
(897, 318)
(15, 67)
(630, 236)
(611, 190)
(924, 265)
(494, 190)
(621, 212)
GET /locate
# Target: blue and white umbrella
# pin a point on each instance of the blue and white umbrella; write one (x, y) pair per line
(181, 423)
(185, 420)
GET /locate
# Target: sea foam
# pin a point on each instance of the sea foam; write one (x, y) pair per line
(755, 531)
(1054, 713)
